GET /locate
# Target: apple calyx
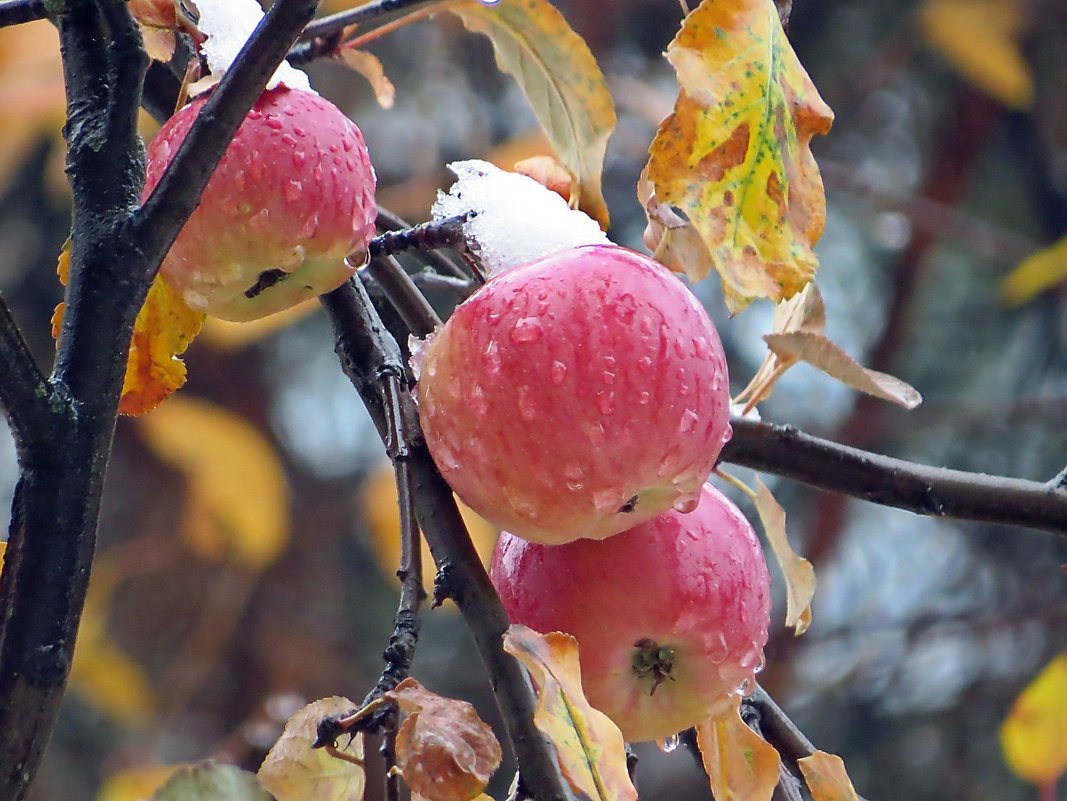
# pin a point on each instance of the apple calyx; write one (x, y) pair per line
(653, 662)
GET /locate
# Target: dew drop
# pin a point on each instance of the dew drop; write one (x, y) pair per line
(527, 408)
(670, 744)
(299, 159)
(492, 358)
(719, 650)
(479, 403)
(686, 504)
(700, 347)
(445, 458)
(689, 421)
(559, 372)
(526, 330)
(761, 663)
(643, 398)
(644, 364)
(273, 122)
(605, 401)
(609, 377)
(293, 190)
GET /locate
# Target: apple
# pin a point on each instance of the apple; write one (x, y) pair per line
(292, 197)
(670, 617)
(576, 396)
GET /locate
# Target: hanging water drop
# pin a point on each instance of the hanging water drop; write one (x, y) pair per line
(670, 744)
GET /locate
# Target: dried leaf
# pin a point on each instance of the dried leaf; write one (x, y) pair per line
(821, 353)
(293, 771)
(238, 506)
(417, 797)
(1036, 273)
(1034, 735)
(982, 39)
(798, 572)
(370, 67)
(209, 781)
(135, 784)
(378, 503)
(549, 173)
(672, 238)
(590, 747)
(444, 750)
(159, 44)
(561, 80)
(740, 764)
(735, 156)
(164, 328)
(827, 778)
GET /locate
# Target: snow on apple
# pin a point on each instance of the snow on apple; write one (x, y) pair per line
(286, 216)
(514, 220)
(670, 617)
(576, 396)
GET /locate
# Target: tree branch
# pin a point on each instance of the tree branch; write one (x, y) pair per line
(324, 33)
(936, 491)
(364, 346)
(23, 390)
(16, 12)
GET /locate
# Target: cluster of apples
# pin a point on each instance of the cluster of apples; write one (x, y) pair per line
(579, 403)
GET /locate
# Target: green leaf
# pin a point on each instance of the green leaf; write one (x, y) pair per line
(208, 781)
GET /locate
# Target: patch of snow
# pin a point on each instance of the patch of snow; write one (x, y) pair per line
(516, 220)
(227, 24)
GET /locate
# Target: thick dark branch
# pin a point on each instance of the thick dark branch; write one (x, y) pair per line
(178, 192)
(16, 12)
(23, 391)
(364, 346)
(937, 491)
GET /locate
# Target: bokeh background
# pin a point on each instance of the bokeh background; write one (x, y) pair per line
(244, 554)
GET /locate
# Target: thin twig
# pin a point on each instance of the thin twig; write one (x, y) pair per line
(387, 221)
(392, 775)
(414, 309)
(936, 491)
(23, 390)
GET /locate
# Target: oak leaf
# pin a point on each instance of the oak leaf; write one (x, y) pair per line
(238, 504)
(443, 749)
(798, 572)
(1034, 735)
(734, 158)
(561, 81)
(740, 765)
(826, 777)
(294, 771)
(590, 747)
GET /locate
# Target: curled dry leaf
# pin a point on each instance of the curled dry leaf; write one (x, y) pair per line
(238, 504)
(735, 155)
(561, 80)
(673, 240)
(592, 754)
(798, 572)
(549, 173)
(444, 750)
(209, 781)
(827, 778)
(740, 765)
(293, 771)
(1034, 735)
(370, 67)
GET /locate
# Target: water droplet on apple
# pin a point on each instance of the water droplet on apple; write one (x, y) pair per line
(669, 744)
(719, 649)
(643, 398)
(527, 408)
(689, 421)
(559, 372)
(492, 358)
(292, 190)
(644, 364)
(479, 404)
(526, 330)
(700, 347)
(687, 503)
(607, 501)
(605, 401)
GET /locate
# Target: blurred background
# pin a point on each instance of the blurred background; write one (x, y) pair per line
(246, 542)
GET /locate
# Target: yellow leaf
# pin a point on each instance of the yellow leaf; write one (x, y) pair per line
(735, 155)
(135, 784)
(821, 353)
(590, 747)
(798, 572)
(417, 797)
(3, 550)
(826, 777)
(673, 239)
(226, 335)
(370, 67)
(208, 781)
(444, 750)
(159, 44)
(293, 771)
(982, 40)
(1034, 735)
(164, 328)
(1036, 273)
(561, 80)
(378, 503)
(238, 506)
(740, 765)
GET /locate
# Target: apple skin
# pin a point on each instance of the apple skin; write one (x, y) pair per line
(695, 583)
(292, 197)
(576, 396)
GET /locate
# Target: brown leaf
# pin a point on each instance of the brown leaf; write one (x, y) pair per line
(238, 505)
(561, 80)
(826, 777)
(370, 67)
(549, 173)
(735, 155)
(293, 771)
(821, 353)
(798, 572)
(444, 750)
(741, 766)
(672, 239)
(590, 747)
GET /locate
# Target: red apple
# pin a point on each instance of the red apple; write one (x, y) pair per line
(576, 396)
(670, 617)
(292, 197)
